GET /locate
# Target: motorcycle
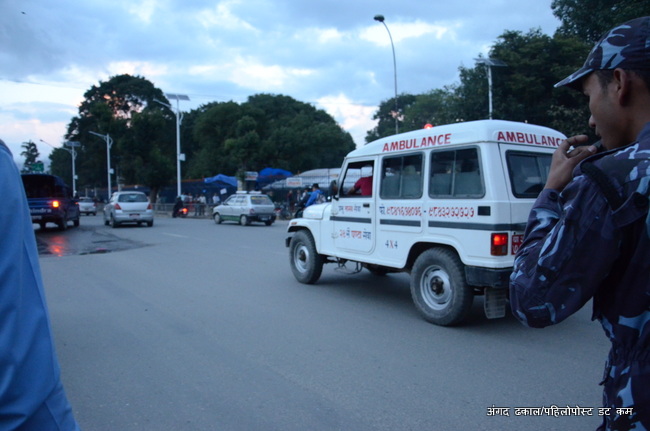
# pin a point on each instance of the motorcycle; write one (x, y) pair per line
(180, 210)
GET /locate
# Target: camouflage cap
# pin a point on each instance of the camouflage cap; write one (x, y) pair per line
(626, 46)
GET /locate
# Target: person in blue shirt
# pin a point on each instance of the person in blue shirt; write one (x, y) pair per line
(588, 234)
(31, 394)
(316, 197)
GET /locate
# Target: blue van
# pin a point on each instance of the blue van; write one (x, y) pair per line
(50, 200)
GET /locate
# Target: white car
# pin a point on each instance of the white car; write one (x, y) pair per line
(245, 208)
(87, 206)
(128, 207)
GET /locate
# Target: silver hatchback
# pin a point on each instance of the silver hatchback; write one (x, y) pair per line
(128, 207)
(245, 208)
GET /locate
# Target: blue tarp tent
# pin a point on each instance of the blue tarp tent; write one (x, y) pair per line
(270, 175)
(222, 180)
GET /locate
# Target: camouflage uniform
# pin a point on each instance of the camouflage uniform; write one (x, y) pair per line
(575, 248)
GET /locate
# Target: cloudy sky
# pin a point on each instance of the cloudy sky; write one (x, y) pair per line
(330, 53)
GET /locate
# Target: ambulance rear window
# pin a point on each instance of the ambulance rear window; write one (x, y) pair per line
(528, 172)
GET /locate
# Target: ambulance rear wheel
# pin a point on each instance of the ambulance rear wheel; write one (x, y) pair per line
(306, 263)
(439, 289)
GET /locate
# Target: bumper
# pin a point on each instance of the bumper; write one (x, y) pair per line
(133, 217)
(262, 217)
(486, 277)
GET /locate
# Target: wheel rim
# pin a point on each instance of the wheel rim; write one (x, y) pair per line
(436, 288)
(301, 258)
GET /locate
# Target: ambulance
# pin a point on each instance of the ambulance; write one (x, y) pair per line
(446, 204)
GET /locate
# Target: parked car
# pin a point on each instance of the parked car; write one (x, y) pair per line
(87, 206)
(244, 207)
(128, 207)
(50, 200)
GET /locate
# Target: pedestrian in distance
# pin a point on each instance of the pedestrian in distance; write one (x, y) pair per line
(317, 196)
(588, 234)
(32, 397)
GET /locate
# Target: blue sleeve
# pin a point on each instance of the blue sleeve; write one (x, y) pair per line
(569, 246)
(29, 371)
(312, 198)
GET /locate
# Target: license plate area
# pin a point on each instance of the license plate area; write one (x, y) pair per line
(515, 243)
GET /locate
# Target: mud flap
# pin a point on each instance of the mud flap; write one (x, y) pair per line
(494, 303)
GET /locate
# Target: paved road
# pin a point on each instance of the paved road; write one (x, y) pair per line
(192, 326)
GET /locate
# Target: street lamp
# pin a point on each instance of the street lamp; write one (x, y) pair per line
(109, 143)
(381, 18)
(489, 63)
(73, 153)
(179, 118)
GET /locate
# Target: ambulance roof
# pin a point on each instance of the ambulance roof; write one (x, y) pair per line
(498, 131)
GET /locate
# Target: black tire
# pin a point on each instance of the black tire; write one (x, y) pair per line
(42, 225)
(112, 222)
(244, 220)
(439, 289)
(63, 224)
(76, 223)
(306, 263)
(268, 222)
(217, 218)
(150, 223)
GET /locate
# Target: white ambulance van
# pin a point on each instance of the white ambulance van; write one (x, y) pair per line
(448, 204)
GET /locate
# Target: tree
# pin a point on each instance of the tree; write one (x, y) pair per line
(266, 131)
(31, 155)
(386, 116)
(142, 131)
(437, 107)
(588, 20)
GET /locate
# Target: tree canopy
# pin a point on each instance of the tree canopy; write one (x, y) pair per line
(265, 131)
(522, 90)
(588, 20)
(31, 155)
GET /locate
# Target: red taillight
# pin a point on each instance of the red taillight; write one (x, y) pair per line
(499, 244)
(56, 204)
(117, 206)
(149, 207)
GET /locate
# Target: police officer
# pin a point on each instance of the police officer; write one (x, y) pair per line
(588, 234)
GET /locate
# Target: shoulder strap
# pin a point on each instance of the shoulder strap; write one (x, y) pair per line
(604, 182)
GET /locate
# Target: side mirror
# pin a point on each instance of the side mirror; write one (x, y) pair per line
(334, 190)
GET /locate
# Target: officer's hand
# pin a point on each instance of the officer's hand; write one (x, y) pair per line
(566, 159)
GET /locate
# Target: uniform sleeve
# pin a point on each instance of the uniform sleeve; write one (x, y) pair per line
(569, 246)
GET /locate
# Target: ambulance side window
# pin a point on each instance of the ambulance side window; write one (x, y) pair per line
(455, 174)
(357, 180)
(401, 177)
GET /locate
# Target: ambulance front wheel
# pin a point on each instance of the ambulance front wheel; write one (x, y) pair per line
(306, 263)
(439, 289)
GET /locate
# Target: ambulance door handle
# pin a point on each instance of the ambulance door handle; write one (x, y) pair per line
(366, 205)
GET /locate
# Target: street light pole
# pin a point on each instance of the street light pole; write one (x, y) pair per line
(179, 119)
(489, 63)
(381, 19)
(73, 153)
(109, 143)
